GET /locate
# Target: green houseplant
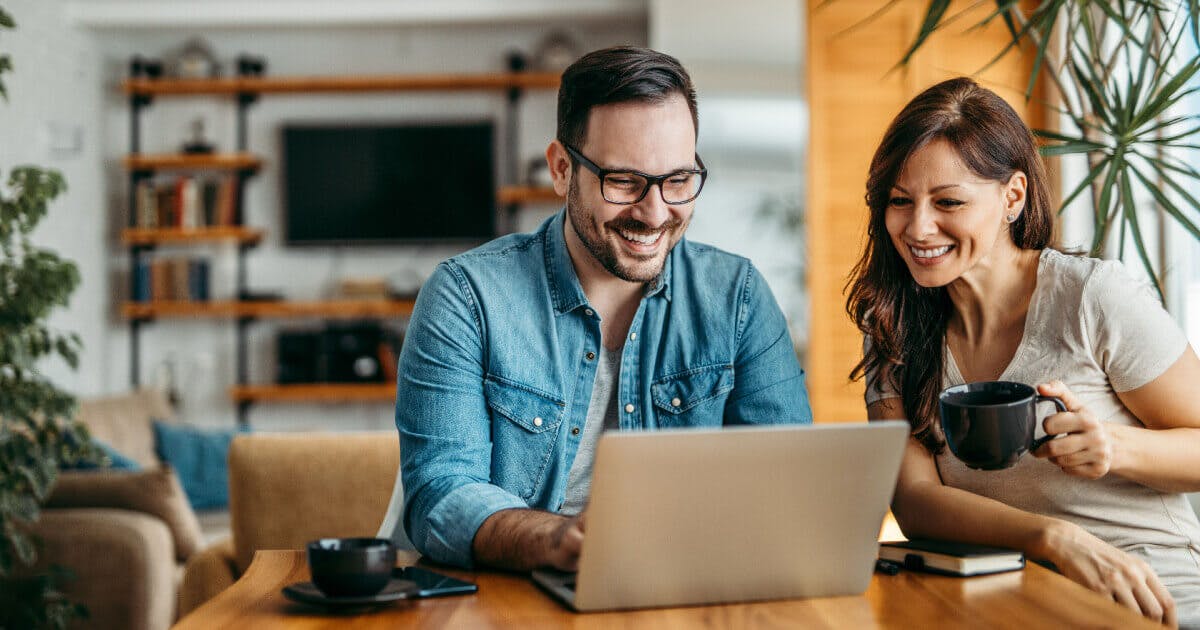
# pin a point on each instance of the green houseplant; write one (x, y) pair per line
(37, 435)
(1118, 74)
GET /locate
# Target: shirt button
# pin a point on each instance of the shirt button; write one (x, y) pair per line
(537, 422)
(632, 336)
(589, 312)
(590, 356)
(629, 408)
(675, 402)
(575, 431)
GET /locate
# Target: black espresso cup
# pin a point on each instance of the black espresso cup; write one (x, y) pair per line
(989, 425)
(351, 567)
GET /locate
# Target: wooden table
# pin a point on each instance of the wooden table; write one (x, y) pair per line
(1026, 599)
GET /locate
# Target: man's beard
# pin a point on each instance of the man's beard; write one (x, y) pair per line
(605, 252)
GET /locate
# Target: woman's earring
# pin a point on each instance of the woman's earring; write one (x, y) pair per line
(1010, 218)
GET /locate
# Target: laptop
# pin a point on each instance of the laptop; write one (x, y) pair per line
(703, 516)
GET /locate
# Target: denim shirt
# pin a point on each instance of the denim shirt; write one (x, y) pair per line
(498, 362)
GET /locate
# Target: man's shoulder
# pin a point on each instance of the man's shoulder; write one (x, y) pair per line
(503, 252)
(701, 258)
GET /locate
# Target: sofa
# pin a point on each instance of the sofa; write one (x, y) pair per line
(288, 489)
(124, 535)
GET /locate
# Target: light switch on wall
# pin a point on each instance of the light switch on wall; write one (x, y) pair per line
(63, 140)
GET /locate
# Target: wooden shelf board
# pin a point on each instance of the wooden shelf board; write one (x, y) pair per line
(330, 309)
(361, 83)
(186, 161)
(158, 236)
(314, 392)
(508, 195)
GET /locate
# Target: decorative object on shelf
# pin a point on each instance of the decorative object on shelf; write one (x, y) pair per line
(195, 60)
(404, 284)
(355, 352)
(517, 61)
(144, 68)
(38, 436)
(555, 52)
(247, 295)
(250, 65)
(165, 379)
(537, 173)
(369, 288)
(197, 143)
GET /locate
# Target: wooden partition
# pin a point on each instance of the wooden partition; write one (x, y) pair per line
(853, 94)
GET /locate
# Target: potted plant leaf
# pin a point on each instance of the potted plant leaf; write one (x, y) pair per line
(1119, 73)
(37, 432)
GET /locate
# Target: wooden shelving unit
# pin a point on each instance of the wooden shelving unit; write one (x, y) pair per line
(329, 309)
(239, 161)
(245, 91)
(516, 195)
(316, 392)
(187, 236)
(347, 84)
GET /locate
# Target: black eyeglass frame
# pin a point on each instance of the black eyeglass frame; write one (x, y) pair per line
(651, 180)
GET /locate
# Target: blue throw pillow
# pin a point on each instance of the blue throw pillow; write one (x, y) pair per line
(116, 460)
(199, 459)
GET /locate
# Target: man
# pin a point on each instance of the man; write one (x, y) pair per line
(521, 352)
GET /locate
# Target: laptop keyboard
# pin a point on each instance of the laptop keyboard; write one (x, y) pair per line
(570, 586)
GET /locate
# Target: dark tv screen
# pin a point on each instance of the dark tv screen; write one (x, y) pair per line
(347, 185)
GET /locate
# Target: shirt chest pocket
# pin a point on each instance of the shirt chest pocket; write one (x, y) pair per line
(694, 397)
(524, 431)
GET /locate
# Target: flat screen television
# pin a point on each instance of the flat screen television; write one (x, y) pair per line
(379, 184)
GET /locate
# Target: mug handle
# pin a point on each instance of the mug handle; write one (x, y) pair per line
(1062, 407)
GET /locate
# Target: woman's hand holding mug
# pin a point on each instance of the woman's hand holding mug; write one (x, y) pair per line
(1087, 448)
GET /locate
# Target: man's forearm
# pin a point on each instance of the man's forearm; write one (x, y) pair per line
(519, 539)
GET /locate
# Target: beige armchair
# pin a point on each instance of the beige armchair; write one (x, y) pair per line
(123, 535)
(288, 489)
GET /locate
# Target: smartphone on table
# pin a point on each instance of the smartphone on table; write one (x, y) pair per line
(431, 584)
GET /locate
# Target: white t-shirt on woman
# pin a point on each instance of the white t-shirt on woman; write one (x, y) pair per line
(1100, 331)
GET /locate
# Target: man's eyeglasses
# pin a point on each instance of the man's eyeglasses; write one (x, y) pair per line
(629, 187)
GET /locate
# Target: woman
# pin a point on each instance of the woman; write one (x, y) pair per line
(959, 283)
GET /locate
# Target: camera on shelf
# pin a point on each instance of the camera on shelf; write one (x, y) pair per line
(356, 352)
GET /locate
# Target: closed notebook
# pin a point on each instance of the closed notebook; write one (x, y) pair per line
(951, 558)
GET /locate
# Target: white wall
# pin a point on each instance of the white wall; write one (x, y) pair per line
(52, 119)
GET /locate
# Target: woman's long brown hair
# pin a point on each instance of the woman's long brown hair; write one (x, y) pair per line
(905, 322)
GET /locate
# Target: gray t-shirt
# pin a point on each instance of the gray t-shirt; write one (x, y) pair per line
(1100, 331)
(601, 415)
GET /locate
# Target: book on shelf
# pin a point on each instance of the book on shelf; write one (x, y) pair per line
(951, 558)
(176, 279)
(141, 281)
(186, 202)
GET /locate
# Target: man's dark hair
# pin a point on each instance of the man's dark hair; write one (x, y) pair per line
(618, 75)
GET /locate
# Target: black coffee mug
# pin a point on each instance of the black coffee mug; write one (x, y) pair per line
(351, 567)
(989, 425)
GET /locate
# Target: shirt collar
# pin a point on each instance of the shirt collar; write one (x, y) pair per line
(565, 289)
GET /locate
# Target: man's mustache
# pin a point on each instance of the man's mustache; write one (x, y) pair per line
(631, 225)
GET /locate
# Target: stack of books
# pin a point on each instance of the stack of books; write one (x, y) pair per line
(171, 279)
(186, 202)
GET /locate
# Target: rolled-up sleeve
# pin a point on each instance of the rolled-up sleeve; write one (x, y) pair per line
(769, 385)
(442, 417)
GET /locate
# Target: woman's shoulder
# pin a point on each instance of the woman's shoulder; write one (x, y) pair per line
(1084, 276)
